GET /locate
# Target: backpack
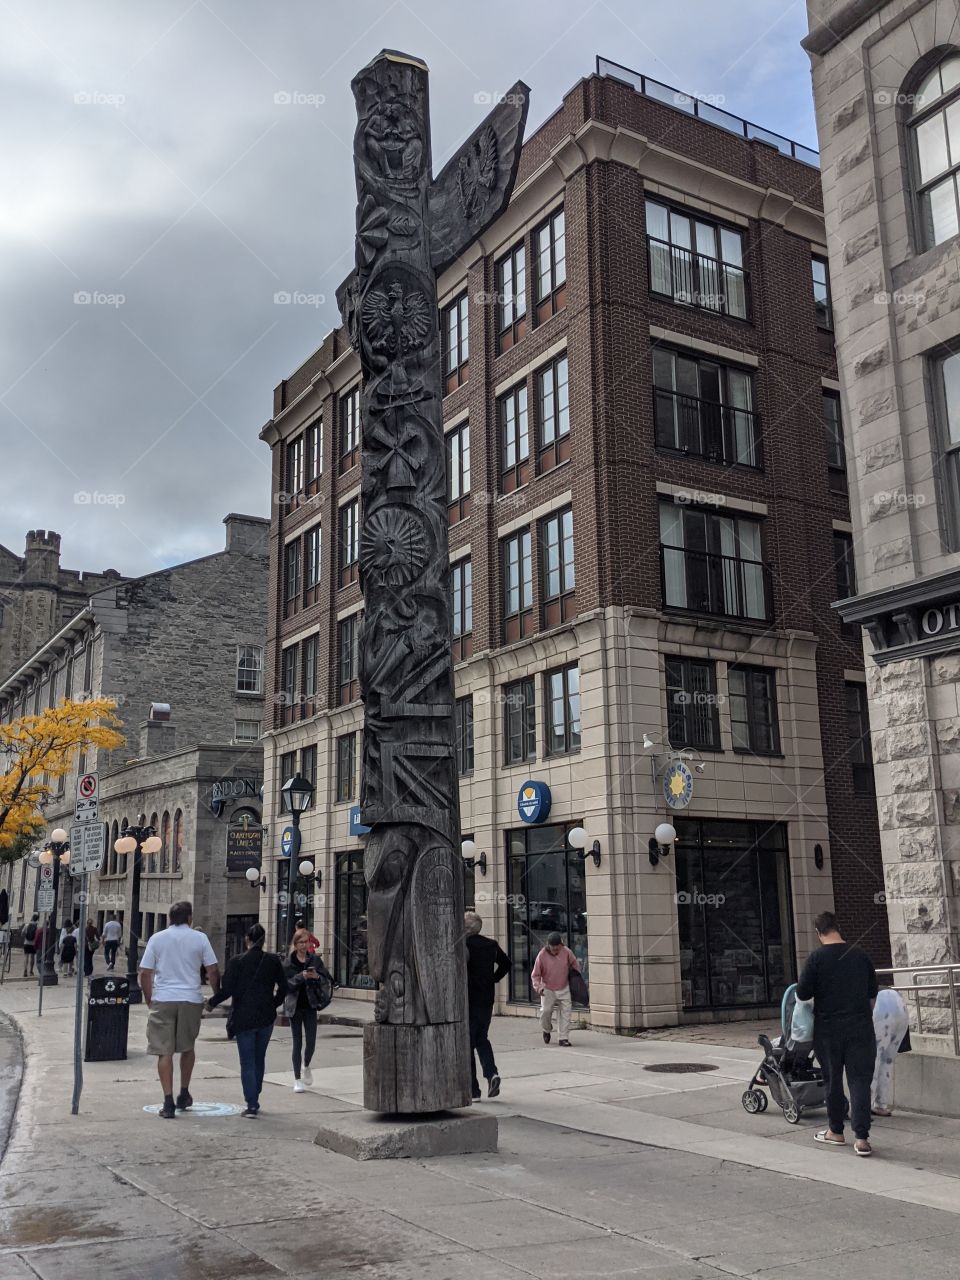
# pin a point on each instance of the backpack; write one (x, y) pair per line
(30, 932)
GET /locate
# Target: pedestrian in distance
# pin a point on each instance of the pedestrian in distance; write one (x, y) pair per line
(551, 982)
(170, 982)
(90, 944)
(487, 963)
(309, 989)
(314, 942)
(68, 950)
(112, 933)
(891, 1026)
(842, 983)
(256, 984)
(30, 945)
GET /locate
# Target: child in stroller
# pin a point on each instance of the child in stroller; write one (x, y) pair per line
(789, 1069)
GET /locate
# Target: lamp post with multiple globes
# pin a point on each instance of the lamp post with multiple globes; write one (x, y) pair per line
(138, 841)
(58, 853)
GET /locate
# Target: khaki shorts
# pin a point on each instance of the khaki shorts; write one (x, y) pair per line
(173, 1026)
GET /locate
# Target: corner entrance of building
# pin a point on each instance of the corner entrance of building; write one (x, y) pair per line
(547, 893)
(734, 913)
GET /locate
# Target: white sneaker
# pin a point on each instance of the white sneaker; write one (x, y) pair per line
(307, 1077)
(299, 1086)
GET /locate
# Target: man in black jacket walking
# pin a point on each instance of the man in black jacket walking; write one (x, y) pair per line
(486, 965)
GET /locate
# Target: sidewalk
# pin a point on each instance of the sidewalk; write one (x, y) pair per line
(604, 1168)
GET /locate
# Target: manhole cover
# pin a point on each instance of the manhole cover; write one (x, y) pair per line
(678, 1068)
(202, 1109)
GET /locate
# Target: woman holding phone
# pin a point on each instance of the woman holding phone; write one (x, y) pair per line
(309, 989)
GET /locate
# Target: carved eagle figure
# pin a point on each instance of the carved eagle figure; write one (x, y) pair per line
(397, 322)
(477, 173)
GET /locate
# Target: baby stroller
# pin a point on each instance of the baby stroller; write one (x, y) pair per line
(789, 1070)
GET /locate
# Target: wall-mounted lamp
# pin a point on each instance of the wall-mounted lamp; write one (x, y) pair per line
(662, 750)
(256, 878)
(468, 851)
(306, 870)
(661, 842)
(818, 856)
(578, 839)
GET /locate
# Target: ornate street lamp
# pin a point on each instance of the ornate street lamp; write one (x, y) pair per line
(295, 796)
(138, 841)
(57, 852)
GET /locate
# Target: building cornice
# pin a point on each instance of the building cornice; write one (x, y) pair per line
(913, 619)
(825, 36)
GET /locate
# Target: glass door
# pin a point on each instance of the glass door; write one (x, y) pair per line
(547, 894)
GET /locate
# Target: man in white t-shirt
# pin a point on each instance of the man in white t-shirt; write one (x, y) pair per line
(112, 933)
(170, 981)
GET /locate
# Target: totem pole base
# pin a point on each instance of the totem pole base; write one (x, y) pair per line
(361, 1135)
(411, 1070)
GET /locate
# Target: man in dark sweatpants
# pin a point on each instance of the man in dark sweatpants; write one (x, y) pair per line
(486, 965)
(842, 983)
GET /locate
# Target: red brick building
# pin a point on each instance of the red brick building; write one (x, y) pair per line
(648, 526)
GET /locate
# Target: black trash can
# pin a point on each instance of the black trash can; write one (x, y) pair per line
(108, 1017)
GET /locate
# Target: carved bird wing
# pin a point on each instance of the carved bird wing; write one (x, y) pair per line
(485, 169)
(416, 320)
(376, 314)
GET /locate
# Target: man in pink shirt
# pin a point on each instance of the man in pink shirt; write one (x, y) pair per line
(551, 982)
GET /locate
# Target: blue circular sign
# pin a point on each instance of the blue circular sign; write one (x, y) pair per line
(678, 785)
(288, 841)
(533, 802)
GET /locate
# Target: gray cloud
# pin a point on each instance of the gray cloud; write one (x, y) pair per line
(153, 161)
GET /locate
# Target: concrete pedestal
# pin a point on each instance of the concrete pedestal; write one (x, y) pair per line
(364, 1135)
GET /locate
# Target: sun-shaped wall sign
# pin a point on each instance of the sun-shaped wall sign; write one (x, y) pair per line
(678, 785)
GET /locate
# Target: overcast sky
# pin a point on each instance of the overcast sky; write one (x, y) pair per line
(181, 162)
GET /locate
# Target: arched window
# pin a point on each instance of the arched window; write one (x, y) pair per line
(155, 824)
(178, 840)
(934, 127)
(165, 841)
(113, 856)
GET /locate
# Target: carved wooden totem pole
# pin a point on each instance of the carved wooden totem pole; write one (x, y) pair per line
(409, 227)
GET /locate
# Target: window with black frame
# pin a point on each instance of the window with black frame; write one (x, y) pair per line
(308, 687)
(713, 563)
(348, 550)
(349, 429)
(461, 590)
(313, 455)
(308, 770)
(934, 129)
(561, 701)
(511, 272)
(696, 262)
(515, 467)
(464, 735)
(553, 413)
(844, 566)
(348, 659)
(351, 959)
(289, 661)
(291, 578)
(836, 453)
(557, 568)
(516, 569)
(549, 246)
(294, 477)
(693, 713)
(546, 893)
(458, 472)
(455, 337)
(858, 729)
(705, 408)
(287, 770)
(312, 540)
(822, 297)
(520, 721)
(346, 774)
(753, 710)
(946, 384)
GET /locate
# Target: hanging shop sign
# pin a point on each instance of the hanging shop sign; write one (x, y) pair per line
(244, 848)
(678, 785)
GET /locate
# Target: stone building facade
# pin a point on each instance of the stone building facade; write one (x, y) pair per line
(190, 638)
(37, 597)
(886, 78)
(648, 525)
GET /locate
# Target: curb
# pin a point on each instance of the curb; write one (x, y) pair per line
(342, 1020)
(11, 1076)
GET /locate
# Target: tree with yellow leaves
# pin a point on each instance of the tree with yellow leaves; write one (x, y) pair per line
(35, 750)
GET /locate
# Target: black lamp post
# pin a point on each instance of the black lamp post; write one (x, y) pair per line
(295, 796)
(57, 852)
(138, 841)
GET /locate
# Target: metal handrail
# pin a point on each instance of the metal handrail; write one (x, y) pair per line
(718, 585)
(706, 428)
(952, 985)
(697, 279)
(703, 110)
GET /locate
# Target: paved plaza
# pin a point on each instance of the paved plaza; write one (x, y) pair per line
(604, 1168)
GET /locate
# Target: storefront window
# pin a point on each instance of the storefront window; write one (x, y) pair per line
(734, 913)
(350, 959)
(547, 892)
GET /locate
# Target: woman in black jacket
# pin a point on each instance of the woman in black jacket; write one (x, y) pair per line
(309, 989)
(256, 984)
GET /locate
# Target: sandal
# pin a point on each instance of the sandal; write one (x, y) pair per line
(862, 1147)
(827, 1139)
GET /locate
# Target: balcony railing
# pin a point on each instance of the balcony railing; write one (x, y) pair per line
(718, 432)
(697, 280)
(719, 585)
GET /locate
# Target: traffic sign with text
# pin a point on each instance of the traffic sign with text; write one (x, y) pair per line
(45, 896)
(88, 797)
(87, 845)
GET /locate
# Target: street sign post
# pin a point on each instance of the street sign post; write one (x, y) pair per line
(87, 846)
(78, 997)
(45, 903)
(45, 889)
(88, 798)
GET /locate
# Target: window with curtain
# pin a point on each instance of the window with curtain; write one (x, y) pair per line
(934, 130)
(695, 261)
(705, 408)
(713, 563)
(562, 710)
(753, 710)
